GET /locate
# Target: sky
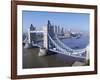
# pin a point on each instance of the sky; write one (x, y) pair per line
(73, 21)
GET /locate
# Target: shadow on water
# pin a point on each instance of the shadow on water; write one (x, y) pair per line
(50, 53)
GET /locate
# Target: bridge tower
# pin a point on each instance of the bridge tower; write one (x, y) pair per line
(45, 36)
(31, 36)
(51, 32)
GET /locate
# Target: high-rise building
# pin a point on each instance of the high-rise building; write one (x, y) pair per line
(62, 31)
(56, 29)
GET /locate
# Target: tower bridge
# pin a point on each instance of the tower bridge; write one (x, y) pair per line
(53, 43)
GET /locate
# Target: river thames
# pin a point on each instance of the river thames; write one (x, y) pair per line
(32, 60)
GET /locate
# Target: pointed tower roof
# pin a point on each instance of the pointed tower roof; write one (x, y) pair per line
(32, 27)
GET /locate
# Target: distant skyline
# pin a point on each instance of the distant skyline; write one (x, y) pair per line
(73, 21)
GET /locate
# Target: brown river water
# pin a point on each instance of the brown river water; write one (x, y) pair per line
(32, 60)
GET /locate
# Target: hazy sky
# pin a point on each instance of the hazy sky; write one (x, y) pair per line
(74, 21)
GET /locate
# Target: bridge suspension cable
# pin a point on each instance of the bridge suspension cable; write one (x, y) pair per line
(68, 48)
(64, 51)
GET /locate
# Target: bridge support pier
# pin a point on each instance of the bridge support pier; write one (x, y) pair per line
(42, 52)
